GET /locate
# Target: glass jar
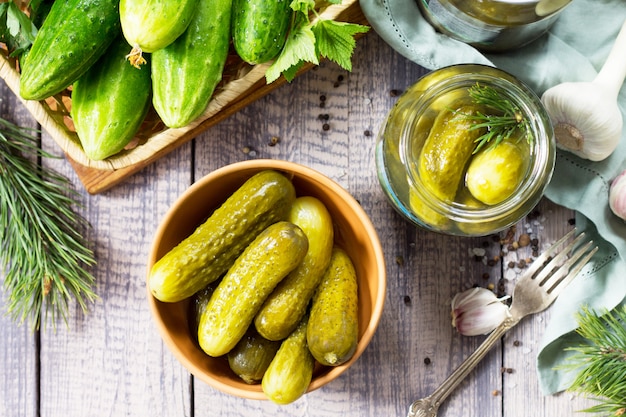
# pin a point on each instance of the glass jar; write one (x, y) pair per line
(407, 127)
(492, 25)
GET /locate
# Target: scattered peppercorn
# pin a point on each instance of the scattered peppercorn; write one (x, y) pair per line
(325, 127)
(511, 265)
(407, 300)
(571, 222)
(394, 93)
(521, 264)
(367, 133)
(399, 260)
(486, 275)
(322, 104)
(274, 140)
(249, 150)
(322, 97)
(517, 343)
(427, 361)
(524, 240)
(340, 78)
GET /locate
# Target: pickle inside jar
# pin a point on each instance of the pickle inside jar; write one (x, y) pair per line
(496, 172)
(453, 172)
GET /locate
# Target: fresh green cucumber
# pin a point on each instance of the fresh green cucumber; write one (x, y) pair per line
(250, 358)
(186, 72)
(289, 374)
(251, 279)
(333, 329)
(260, 28)
(285, 307)
(72, 37)
(205, 255)
(149, 25)
(109, 102)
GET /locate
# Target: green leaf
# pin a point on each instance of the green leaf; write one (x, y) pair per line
(13, 20)
(300, 46)
(335, 40)
(304, 6)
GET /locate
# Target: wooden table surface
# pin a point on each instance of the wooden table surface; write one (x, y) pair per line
(112, 362)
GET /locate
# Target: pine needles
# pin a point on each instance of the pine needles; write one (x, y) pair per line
(601, 361)
(41, 248)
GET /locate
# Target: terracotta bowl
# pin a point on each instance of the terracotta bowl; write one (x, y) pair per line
(353, 231)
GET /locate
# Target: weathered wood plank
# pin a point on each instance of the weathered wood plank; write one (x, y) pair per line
(19, 343)
(111, 361)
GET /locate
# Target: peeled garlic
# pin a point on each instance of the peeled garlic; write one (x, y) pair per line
(478, 311)
(586, 117)
(617, 195)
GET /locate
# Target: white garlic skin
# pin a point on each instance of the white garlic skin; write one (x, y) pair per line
(478, 311)
(586, 121)
(617, 195)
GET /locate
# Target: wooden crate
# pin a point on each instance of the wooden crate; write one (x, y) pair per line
(241, 85)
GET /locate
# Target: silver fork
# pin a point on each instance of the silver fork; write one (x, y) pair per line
(534, 292)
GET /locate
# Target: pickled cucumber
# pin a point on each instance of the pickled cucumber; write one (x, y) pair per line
(291, 371)
(250, 358)
(206, 254)
(285, 307)
(495, 172)
(240, 294)
(448, 148)
(333, 329)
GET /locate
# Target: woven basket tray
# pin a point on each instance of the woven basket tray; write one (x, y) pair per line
(241, 85)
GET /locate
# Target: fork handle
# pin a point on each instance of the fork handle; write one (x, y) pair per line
(446, 388)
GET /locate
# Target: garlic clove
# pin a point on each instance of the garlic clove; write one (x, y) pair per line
(585, 121)
(617, 195)
(478, 311)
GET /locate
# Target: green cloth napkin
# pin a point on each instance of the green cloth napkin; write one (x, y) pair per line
(573, 50)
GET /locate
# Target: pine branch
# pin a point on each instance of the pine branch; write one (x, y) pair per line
(41, 247)
(600, 362)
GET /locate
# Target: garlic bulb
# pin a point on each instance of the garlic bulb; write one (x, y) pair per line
(586, 117)
(478, 311)
(617, 195)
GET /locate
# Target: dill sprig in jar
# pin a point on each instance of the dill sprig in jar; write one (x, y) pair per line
(467, 150)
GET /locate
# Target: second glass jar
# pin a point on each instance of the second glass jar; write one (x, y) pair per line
(408, 125)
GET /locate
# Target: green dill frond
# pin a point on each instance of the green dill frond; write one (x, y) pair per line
(506, 122)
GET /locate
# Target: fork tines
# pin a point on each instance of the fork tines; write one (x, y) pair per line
(564, 265)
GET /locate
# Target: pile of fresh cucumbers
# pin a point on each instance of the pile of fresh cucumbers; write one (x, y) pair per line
(121, 56)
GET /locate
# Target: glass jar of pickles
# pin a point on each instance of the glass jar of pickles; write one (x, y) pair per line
(467, 150)
(492, 25)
